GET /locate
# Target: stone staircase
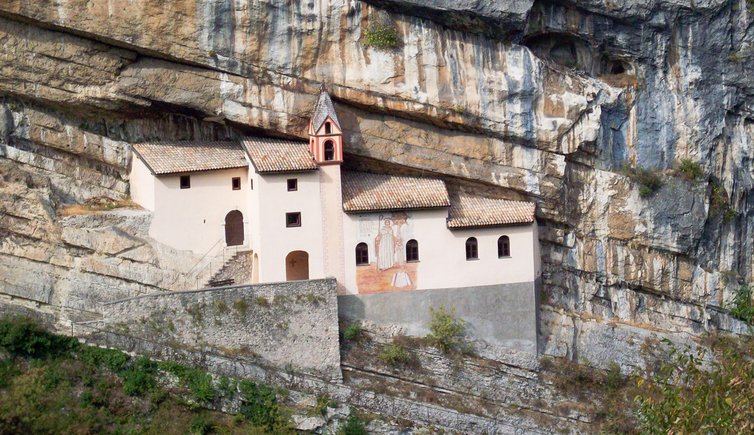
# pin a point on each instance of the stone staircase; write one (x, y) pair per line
(236, 270)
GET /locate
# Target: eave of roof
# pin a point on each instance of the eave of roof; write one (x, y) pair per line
(366, 192)
(165, 158)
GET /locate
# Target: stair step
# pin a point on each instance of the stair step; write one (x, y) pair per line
(220, 283)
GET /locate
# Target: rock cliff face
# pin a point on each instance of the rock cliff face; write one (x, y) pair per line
(552, 100)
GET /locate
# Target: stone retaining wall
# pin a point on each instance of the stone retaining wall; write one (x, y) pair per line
(502, 315)
(290, 324)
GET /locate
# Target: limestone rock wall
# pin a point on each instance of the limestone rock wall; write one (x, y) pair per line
(548, 99)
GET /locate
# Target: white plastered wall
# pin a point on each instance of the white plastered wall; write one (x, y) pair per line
(194, 218)
(273, 240)
(141, 183)
(442, 252)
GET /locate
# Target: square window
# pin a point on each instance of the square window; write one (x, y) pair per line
(185, 182)
(292, 184)
(236, 182)
(293, 219)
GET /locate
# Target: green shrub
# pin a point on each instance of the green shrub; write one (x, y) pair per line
(259, 405)
(649, 181)
(262, 301)
(8, 371)
(690, 169)
(197, 381)
(446, 332)
(742, 306)
(353, 332)
(614, 379)
(241, 306)
(96, 357)
(720, 204)
(381, 32)
(323, 402)
(394, 354)
(201, 424)
(682, 397)
(22, 336)
(353, 426)
(381, 36)
(138, 379)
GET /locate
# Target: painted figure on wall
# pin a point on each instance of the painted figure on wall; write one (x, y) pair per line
(385, 245)
(389, 271)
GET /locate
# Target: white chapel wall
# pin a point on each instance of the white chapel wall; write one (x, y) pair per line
(275, 239)
(141, 183)
(442, 254)
(194, 218)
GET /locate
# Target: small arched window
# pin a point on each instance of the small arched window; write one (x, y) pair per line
(329, 151)
(362, 254)
(328, 129)
(412, 250)
(503, 247)
(472, 249)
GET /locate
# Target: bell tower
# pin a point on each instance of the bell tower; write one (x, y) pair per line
(325, 134)
(326, 145)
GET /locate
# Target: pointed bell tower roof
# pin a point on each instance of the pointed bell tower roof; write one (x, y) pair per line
(323, 109)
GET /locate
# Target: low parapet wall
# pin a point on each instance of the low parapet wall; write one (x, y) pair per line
(502, 315)
(289, 324)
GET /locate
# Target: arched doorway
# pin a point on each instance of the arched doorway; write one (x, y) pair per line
(296, 266)
(234, 228)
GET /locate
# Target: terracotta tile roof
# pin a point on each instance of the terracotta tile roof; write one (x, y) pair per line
(468, 211)
(189, 156)
(372, 192)
(278, 155)
(322, 110)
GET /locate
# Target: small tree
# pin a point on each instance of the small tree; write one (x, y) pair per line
(447, 332)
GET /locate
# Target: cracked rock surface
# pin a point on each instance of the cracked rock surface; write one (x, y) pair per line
(550, 100)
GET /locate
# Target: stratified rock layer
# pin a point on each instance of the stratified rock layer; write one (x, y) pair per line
(551, 108)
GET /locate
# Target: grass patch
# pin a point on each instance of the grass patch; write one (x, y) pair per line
(649, 181)
(53, 384)
(323, 402)
(353, 332)
(394, 354)
(96, 205)
(241, 307)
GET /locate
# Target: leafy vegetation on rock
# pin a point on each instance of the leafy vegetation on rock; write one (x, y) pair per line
(684, 397)
(742, 306)
(354, 425)
(677, 394)
(447, 333)
(690, 169)
(353, 332)
(720, 204)
(649, 181)
(394, 354)
(381, 33)
(54, 384)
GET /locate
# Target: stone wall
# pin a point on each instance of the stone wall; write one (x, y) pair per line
(496, 315)
(291, 324)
